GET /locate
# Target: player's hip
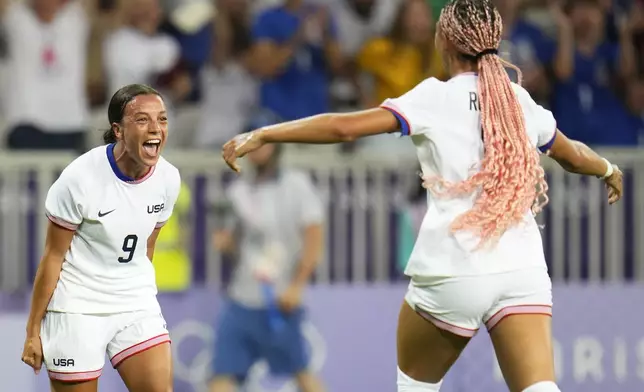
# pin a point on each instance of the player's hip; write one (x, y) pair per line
(462, 303)
(68, 300)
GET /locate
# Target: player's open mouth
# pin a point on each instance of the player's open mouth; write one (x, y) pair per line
(151, 147)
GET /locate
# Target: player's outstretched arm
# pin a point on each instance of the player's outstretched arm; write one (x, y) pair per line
(56, 245)
(576, 157)
(321, 129)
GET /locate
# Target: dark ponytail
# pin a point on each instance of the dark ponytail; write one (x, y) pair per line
(116, 107)
(109, 136)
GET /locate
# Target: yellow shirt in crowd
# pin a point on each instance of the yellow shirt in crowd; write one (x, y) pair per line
(396, 69)
(171, 258)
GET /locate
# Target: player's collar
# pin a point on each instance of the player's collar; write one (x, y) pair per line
(118, 173)
(464, 74)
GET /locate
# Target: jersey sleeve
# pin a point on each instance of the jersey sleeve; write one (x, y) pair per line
(63, 204)
(414, 109)
(173, 190)
(312, 207)
(538, 120)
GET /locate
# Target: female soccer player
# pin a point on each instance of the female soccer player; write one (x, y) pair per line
(95, 289)
(479, 257)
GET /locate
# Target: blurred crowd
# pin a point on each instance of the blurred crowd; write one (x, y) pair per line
(230, 59)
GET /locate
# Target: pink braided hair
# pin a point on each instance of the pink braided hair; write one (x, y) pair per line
(511, 179)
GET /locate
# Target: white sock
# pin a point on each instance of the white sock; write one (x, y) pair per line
(407, 384)
(543, 386)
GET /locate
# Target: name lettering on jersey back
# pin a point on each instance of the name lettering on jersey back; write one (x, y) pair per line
(474, 101)
(156, 208)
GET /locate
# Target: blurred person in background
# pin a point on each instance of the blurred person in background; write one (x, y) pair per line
(525, 45)
(358, 21)
(410, 219)
(586, 67)
(275, 232)
(229, 90)
(396, 63)
(138, 53)
(45, 99)
(172, 263)
(404, 57)
(635, 104)
(294, 52)
(190, 23)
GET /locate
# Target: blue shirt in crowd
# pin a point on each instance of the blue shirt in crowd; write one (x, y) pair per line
(585, 106)
(302, 88)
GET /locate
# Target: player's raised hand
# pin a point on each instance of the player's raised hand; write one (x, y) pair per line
(32, 353)
(239, 146)
(614, 185)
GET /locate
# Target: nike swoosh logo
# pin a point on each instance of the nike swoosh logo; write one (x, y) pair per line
(102, 214)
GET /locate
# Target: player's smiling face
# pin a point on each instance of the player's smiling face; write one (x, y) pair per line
(145, 130)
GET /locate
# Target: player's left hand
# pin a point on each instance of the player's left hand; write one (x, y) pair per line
(239, 146)
(290, 299)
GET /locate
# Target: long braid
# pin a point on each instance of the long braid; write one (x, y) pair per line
(511, 179)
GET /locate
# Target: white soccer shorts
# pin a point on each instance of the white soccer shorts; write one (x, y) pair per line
(461, 304)
(74, 345)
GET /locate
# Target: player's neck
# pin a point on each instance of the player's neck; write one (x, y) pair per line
(458, 68)
(127, 165)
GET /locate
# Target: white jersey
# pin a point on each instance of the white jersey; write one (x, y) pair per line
(443, 120)
(106, 269)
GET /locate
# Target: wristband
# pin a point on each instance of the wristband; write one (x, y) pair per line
(609, 169)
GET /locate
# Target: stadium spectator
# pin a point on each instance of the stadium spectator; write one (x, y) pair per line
(358, 21)
(404, 57)
(585, 103)
(294, 51)
(47, 51)
(190, 23)
(274, 229)
(229, 90)
(525, 45)
(138, 53)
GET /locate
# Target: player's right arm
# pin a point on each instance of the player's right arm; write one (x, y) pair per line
(56, 245)
(63, 207)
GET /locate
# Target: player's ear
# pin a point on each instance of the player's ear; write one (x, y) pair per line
(118, 131)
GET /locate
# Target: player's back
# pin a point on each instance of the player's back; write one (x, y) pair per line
(445, 126)
(107, 269)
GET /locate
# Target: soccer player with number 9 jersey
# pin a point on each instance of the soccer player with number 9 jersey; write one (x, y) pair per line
(95, 289)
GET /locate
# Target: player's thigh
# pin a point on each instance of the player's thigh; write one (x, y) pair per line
(439, 316)
(74, 347)
(141, 353)
(86, 386)
(520, 327)
(236, 348)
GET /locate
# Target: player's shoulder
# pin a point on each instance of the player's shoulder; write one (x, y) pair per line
(431, 84)
(520, 91)
(86, 166)
(168, 171)
(429, 90)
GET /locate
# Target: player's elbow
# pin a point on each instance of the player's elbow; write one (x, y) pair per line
(342, 127)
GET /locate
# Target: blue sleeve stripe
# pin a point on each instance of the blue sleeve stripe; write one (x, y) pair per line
(405, 128)
(544, 149)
